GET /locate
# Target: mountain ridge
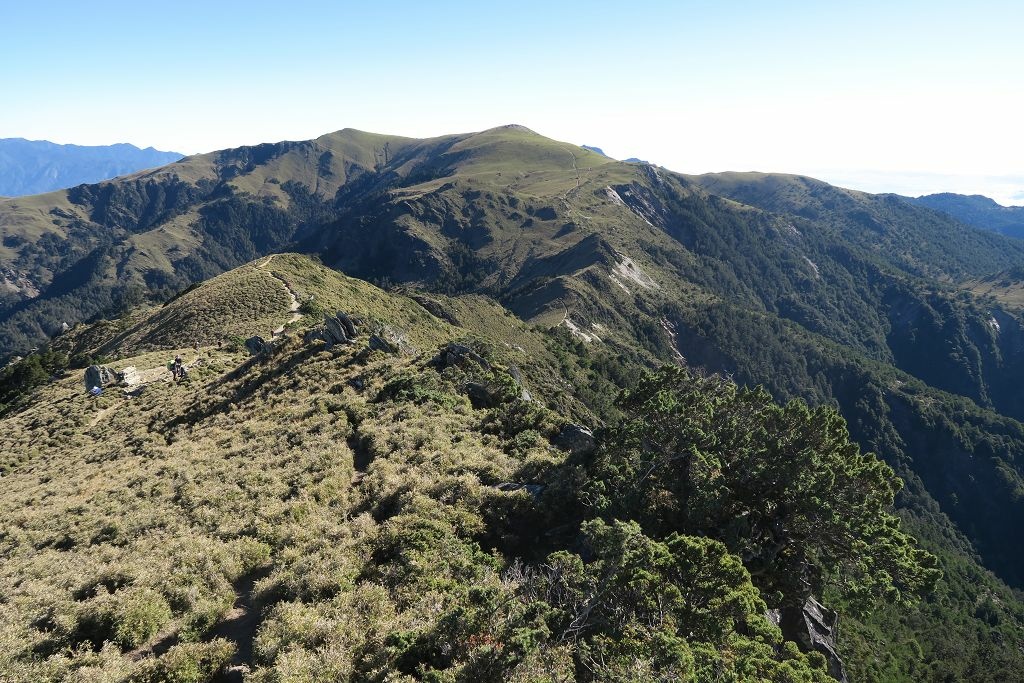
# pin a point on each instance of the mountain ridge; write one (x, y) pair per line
(828, 295)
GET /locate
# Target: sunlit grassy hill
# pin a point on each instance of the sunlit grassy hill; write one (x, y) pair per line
(164, 523)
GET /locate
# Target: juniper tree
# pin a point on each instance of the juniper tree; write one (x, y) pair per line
(782, 486)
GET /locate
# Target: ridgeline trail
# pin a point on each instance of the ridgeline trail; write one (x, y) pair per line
(293, 307)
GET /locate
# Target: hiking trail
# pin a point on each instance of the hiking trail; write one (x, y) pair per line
(293, 307)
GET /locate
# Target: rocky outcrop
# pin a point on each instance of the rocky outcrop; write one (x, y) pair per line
(390, 340)
(483, 395)
(524, 394)
(576, 439)
(436, 309)
(256, 345)
(456, 354)
(812, 626)
(128, 375)
(339, 328)
(99, 376)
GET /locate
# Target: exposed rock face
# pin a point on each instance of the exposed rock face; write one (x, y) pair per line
(256, 345)
(518, 377)
(483, 395)
(457, 354)
(436, 309)
(99, 376)
(350, 326)
(128, 376)
(576, 439)
(813, 627)
(339, 329)
(389, 340)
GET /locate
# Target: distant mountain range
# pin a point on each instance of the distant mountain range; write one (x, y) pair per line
(977, 210)
(581, 270)
(36, 166)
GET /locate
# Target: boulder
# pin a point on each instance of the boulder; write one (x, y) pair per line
(457, 354)
(576, 439)
(812, 626)
(518, 377)
(350, 326)
(256, 345)
(482, 395)
(314, 334)
(339, 329)
(128, 375)
(99, 376)
(434, 308)
(334, 331)
(389, 340)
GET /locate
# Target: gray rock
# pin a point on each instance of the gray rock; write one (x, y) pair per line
(389, 340)
(812, 626)
(482, 395)
(436, 309)
(314, 334)
(576, 439)
(518, 377)
(339, 329)
(457, 354)
(334, 331)
(256, 345)
(99, 376)
(128, 375)
(350, 327)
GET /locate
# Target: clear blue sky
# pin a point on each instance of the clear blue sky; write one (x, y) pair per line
(907, 96)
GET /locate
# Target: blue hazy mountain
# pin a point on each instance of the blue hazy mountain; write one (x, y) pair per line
(34, 166)
(977, 210)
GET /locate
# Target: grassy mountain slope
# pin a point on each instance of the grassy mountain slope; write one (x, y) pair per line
(310, 513)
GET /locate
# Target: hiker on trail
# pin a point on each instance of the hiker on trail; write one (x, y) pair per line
(178, 370)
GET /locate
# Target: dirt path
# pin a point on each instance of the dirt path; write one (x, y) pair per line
(240, 624)
(293, 307)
